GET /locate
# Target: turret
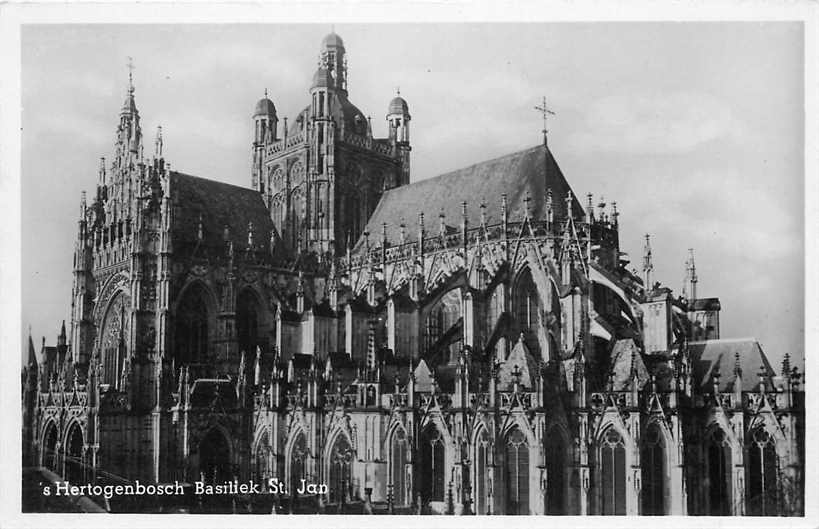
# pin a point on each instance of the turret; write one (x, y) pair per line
(398, 118)
(265, 123)
(333, 59)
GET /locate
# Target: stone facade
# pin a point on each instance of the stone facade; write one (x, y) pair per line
(490, 358)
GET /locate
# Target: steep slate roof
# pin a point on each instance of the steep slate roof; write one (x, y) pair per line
(708, 354)
(513, 174)
(218, 204)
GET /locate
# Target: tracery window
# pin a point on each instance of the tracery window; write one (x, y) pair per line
(191, 333)
(298, 459)
(433, 470)
(50, 448)
(517, 473)
(443, 315)
(527, 309)
(260, 469)
(494, 308)
(74, 467)
(763, 475)
(214, 457)
(341, 457)
(400, 495)
(719, 473)
(483, 451)
(247, 322)
(612, 473)
(653, 463)
(556, 456)
(114, 339)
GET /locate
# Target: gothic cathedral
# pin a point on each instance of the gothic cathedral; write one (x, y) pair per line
(472, 343)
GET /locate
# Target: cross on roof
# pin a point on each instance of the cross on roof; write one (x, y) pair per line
(544, 110)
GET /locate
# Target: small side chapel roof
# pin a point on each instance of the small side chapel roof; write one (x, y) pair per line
(711, 356)
(217, 204)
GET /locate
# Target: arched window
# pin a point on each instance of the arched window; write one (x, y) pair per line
(612, 473)
(400, 494)
(297, 217)
(298, 459)
(247, 322)
(763, 475)
(719, 474)
(527, 309)
(652, 461)
(433, 470)
(517, 473)
(441, 319)
(214, 458)
(73, 456)
(191, 336)
(492, 312)
(352, 207)
(483, 450)
(114, 339)
(341, 457)
(555, 450)
(260, 469)
(50, 447)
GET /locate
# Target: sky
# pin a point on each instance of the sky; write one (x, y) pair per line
(695, 129)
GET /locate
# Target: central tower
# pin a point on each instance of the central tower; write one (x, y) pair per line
(322, 174)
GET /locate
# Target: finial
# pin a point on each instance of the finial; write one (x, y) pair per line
(527, 200)
(102, 170)
(483, 213)
(648, 264)
(130, 74)
(398, 90)
(737, 368)
(265, 93)
(786, 362)
(250, 234)
(590, 207)
(158, 142)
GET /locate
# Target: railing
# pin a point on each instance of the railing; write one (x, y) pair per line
(285, 144)
(527, 399)
(541, 229)
(600, 401)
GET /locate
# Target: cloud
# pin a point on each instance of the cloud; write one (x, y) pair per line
(672, 123)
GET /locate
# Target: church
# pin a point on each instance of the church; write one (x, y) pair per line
(472, 343)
